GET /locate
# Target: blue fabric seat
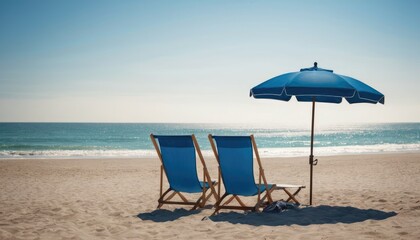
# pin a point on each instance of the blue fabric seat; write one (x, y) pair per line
(179, 161)
(235, 158)
(178, 157)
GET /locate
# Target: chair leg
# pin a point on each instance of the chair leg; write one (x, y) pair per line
(240, 201)
(270, 191)
(213, 193)
(242, 206)
(204, 198)
(203, 201)
(217, 205)
(260, 203)
(208, 197)
(160, 200)
(229, 200)
(182, 197)
(197, 203)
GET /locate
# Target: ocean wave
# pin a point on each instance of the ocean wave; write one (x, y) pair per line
(77, 154)
(264, 152)
(339, 150)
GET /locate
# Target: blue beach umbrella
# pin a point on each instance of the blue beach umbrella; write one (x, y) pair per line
(316, 85)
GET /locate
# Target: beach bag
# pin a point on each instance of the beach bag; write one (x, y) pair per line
(279, 206)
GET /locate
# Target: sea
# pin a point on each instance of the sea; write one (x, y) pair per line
(132, 140)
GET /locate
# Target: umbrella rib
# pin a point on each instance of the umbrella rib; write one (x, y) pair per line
(358, 93)
(368, 99)
(269, 94)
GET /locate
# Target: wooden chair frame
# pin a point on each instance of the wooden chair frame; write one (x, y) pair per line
(261, 177)
(291, 196)
(206, 179)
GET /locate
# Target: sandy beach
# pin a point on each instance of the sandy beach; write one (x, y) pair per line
(356, 197)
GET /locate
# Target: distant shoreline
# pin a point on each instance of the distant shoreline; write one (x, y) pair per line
(206, 153)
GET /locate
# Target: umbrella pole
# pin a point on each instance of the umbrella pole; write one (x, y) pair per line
(311, 157)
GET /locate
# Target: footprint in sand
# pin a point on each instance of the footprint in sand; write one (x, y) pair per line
(115, 214)
(415, 208)
(370, 233)
(153, 233)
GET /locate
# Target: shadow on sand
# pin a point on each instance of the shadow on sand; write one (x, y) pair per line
(304, 216)
(162, 215)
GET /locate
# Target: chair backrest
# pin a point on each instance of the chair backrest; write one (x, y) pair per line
(179, 162)
(236, 164)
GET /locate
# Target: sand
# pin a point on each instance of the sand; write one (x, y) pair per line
(355, 197)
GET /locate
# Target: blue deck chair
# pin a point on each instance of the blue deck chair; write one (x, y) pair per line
(178, 157)
(235, 157)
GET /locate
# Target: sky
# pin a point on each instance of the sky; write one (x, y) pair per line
(195, 61)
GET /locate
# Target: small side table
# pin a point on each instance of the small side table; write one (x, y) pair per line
(292, 196)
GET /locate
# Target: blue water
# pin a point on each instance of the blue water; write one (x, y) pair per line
(27, 140)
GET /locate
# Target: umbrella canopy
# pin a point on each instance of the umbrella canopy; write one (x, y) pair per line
(316, 85)
(323, 84)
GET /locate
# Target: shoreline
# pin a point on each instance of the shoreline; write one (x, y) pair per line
(206, 153)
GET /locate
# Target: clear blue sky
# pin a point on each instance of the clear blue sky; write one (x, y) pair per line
(195, 61)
